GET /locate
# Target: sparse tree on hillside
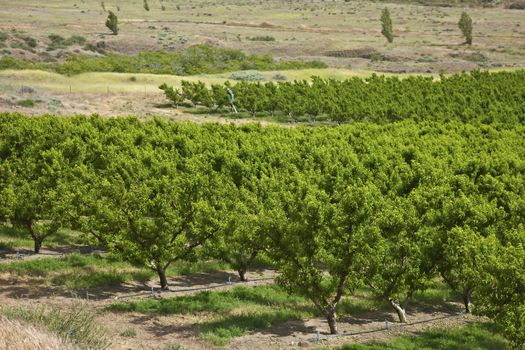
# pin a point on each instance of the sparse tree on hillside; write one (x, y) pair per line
(465, 24)
(112, 22)
(386, 23)
(146, 5)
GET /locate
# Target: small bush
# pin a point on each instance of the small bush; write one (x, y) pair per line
(26, 103)
(75, 39)
(247, 76)
(146, 5)
(31, 42)
(129, 333)
(279, 76)
(262, 38)
(57, 42)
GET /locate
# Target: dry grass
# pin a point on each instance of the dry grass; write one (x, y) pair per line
(16, 335)
(301, 29)
(106, 83)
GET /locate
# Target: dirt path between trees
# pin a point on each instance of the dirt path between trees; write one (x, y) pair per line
(157, 331)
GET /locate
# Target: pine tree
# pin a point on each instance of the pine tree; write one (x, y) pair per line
(112, 22)
(386, 23)
(465, 24)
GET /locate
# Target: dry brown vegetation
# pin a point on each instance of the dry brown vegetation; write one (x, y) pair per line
(16, 335)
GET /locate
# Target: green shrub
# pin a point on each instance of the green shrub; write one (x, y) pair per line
(386, 23)
(26, 103)
(465, 24)
(75, 39)
(247, 76)
(112, 23)
(31, 42)
(129, 333)
(57, 42)
(262, 38)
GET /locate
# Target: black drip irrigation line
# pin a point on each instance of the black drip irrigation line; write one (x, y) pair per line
(390, 327)
(157, 292)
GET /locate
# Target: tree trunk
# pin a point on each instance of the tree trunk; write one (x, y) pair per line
(38, 244)
(331, 318)
(466, 299)
(242, 274)
(399, 310)
(162, 277)
(36, 237)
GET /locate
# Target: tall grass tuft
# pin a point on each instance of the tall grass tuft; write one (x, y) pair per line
(76, 326)
(20, 336)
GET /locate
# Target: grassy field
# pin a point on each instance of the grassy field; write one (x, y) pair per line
(139, 83)
(427, 37)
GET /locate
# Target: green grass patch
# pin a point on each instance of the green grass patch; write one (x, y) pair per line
(477, 336)
(77, 326)
(437, 293)
(90, 278)
(237, 311)
(45, 266)
(222, 331)
(129, 333)
(183, 268)
(13, 238)
(214, 301)
(26, 103)
(78, 271)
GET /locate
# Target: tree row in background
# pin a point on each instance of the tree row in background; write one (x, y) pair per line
(482, 96)
(391, 207)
